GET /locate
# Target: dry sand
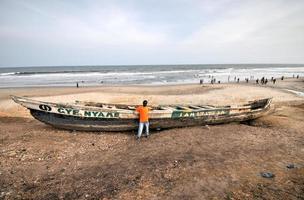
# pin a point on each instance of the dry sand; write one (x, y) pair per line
(223, 161)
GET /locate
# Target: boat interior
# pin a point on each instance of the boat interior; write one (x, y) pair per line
(160, 107)
(251, 105)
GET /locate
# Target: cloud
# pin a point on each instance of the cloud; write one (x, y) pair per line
(106, 25)
(248, 22)
(252, 30)
(151, 32)
(113, 27)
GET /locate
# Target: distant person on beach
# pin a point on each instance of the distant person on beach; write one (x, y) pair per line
(77, 85)
(257, 81)
(282, 78)
(274, 80)
(297, 76)
(238, 80)
(143, 119)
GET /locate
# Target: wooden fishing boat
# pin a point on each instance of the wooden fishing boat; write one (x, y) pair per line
(90, 116)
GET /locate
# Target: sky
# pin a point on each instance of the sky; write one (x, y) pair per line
(135, 32)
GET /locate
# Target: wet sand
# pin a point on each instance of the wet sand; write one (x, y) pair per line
(219, 162)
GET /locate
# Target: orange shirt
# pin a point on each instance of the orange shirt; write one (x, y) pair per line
(143, 113)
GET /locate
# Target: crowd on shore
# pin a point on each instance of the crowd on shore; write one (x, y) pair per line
(262, 81)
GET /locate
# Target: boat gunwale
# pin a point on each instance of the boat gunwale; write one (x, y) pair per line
(23, 100)
(123, 127)
(256, 111)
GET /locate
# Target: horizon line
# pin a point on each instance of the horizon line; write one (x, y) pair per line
(125, 65)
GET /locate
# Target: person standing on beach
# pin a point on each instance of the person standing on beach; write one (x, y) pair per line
(143, 119)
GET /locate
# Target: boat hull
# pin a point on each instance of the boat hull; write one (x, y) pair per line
(102, 124)
(117, 117)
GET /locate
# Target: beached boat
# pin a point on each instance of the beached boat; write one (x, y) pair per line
(90, 116)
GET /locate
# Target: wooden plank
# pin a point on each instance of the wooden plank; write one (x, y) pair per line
(194, 107)
(131, 107)
(166, 108)
(183, 108)
(207, 107)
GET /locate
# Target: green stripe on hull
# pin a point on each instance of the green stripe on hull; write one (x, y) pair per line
(191, 114)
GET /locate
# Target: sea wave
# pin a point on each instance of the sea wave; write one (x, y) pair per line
(89, 73)
(20, 77)
(108, 72)
(8, 73)
(37, 73)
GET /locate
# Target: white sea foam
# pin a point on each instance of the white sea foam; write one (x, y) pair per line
(149, 75)
(301, 94)
(8, 74)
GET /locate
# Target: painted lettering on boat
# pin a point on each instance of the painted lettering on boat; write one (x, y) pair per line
(86, 113)
(45, 107)
(191, 114)
(178, 114)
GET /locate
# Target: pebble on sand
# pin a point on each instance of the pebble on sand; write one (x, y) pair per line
(267, 175)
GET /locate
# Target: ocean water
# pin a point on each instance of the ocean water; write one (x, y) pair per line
(141, 75)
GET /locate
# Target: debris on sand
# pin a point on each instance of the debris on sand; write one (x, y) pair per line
(267, 175)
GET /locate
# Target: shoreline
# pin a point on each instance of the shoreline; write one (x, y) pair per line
(287, 84)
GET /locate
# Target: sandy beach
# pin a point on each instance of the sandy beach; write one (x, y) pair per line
(38, 161)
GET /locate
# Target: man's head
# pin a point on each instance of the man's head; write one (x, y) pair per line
(145, 102)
